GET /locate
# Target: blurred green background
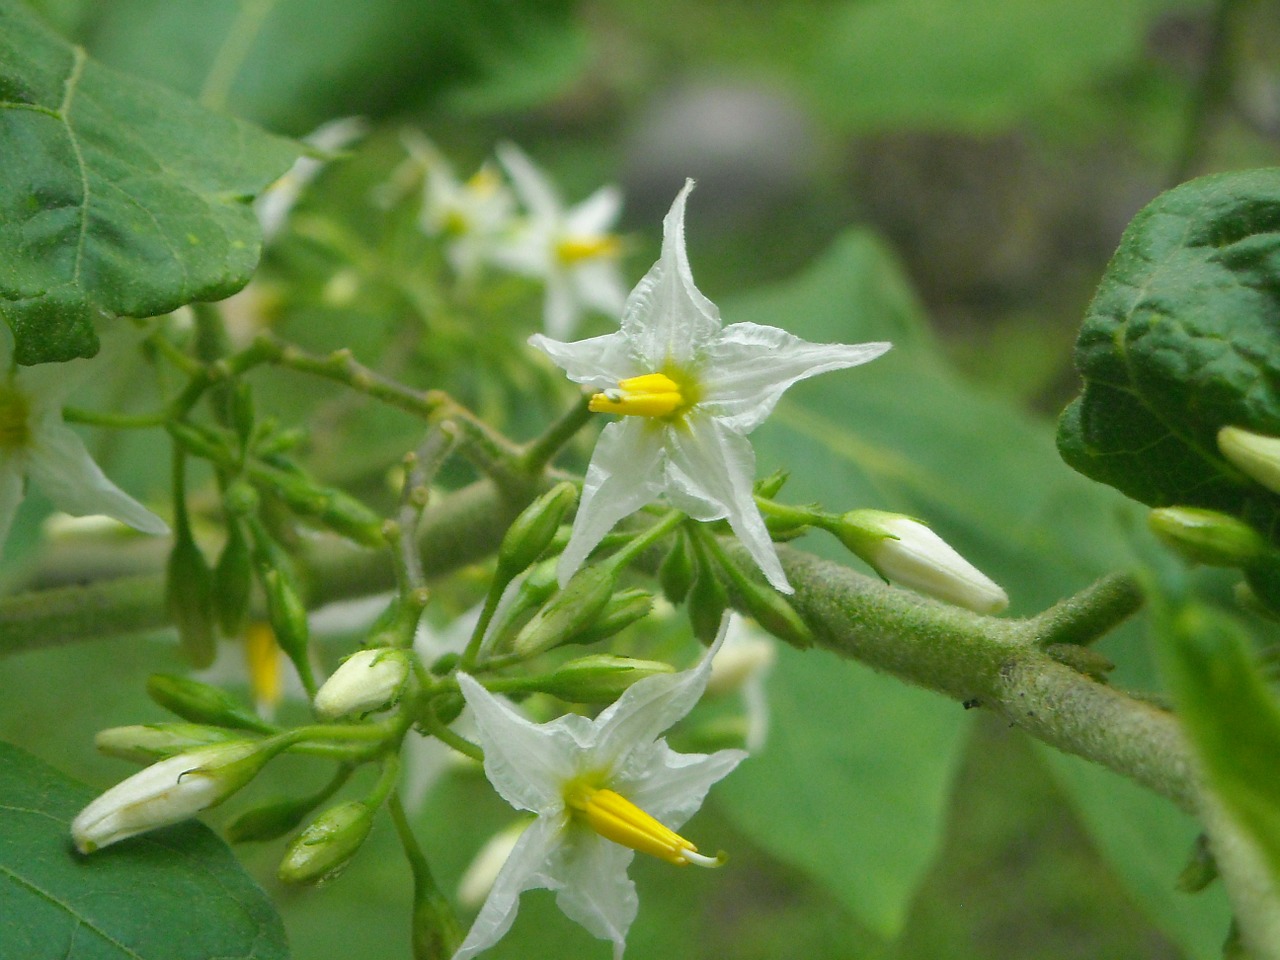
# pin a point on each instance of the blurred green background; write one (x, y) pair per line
(948, 174)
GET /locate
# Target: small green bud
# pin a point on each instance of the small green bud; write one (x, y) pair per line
(367, 680)
(202, 703)
(1255, 455)
(271, 820)
(677, 570)
(770, 486)
(189, 598)
(707, 599)
(533, 530)
(623, 609)
(329, 506)
(288, 616)
(1207, 536)
(569, 612)
(600, 678)
(233, 581)
(155, 741)
(201, 441)
(240, 499)
(328, 843)
(768, 607)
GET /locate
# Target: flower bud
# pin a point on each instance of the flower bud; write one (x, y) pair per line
(707, 600)
(677, 571)
(907, 552)
(1207, 536)
(151, 742)
(770, 486)
(271, 820)
(532, 532)
(569, 612)
(233, 581)
(202, 703)
(768, 607)
(600, 678)
(189, 599)
(327, 844)
(367, 680)
(623, 609)
(288, 616)
(521, 598)
(169, 791)
(1255, 455)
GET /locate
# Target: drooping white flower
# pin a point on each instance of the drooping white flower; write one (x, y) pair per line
(36, 445)
(689, 392)
(278, 200)
(600, 789)
(572, 250)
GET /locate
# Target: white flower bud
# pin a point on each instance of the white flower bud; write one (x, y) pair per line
(1253, 454)
(477, 880)
(367, 680)
(168, 791)
(908, 553)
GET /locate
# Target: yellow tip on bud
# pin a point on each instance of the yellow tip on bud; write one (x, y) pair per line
(650, 395)
(616, 818)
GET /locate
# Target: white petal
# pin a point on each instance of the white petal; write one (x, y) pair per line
(599, 362)
(61, 466)
(598, 284)
(647, 708)
(711, 464)
(671, 786)
(560, 306)
(623, 476)
(535, 190)
(525, 250)
(666, 316)
(595, 215)
(528, 868)
(597, 893)
(526, 762)
(748, 367)
(11, 483)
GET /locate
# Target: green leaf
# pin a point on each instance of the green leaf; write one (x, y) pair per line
(970, 64)
(852, 786)
(1233, 722)
(175, 894)
(119, 197)
(1183, 338)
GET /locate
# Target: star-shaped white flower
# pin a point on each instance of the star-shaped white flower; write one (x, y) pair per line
(36, 445)
(689, 391)
(594, 785)
(573, 251)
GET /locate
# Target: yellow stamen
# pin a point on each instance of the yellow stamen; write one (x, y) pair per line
(576, 249)
(15, 413)
(650, 395)
(484, 181)
(616, 818)
(262, 655)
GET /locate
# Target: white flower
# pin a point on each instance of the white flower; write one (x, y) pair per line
(742, 666)
(573, 251)
(278, 200)
(594, 785)
(690, 392)
(167, 792)
(36, 445)
(367, 680)
(906, 552)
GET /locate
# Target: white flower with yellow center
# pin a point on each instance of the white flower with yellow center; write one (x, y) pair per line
(572, 250)
(600, 789)
(689, 392)
(36, 445)
(472, 217)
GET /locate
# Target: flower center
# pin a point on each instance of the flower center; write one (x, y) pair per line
(573, 250)
(15, 412)
(616, 818)
(650, 395)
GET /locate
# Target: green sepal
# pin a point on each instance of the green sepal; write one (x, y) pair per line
(1201, 868)
(147, 743)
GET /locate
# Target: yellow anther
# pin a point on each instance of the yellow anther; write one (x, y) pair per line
(262, 656)
(576, 249)
(650, 395)
(616, 818)
(15, 413)
(484, 181)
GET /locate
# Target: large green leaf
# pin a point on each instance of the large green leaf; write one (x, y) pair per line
(904, 433)
(1182, 339)
(852, 785)
(176, 894)
(118, 197)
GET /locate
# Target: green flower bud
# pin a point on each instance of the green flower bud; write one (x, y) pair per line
(189, 598)
(271, 820)
(768, 607)
(233, 581)
(329, 506)
(533, 530)
(155, 741)
(169, 791)
(240, 499)
(1255, 455)
(601, 678)
(327, 844)
(202, 703)
(623, 609)
(677, 570)
(1207, 536)
(707, 600)
(367, 680)
(569, 612)
(288, 618)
